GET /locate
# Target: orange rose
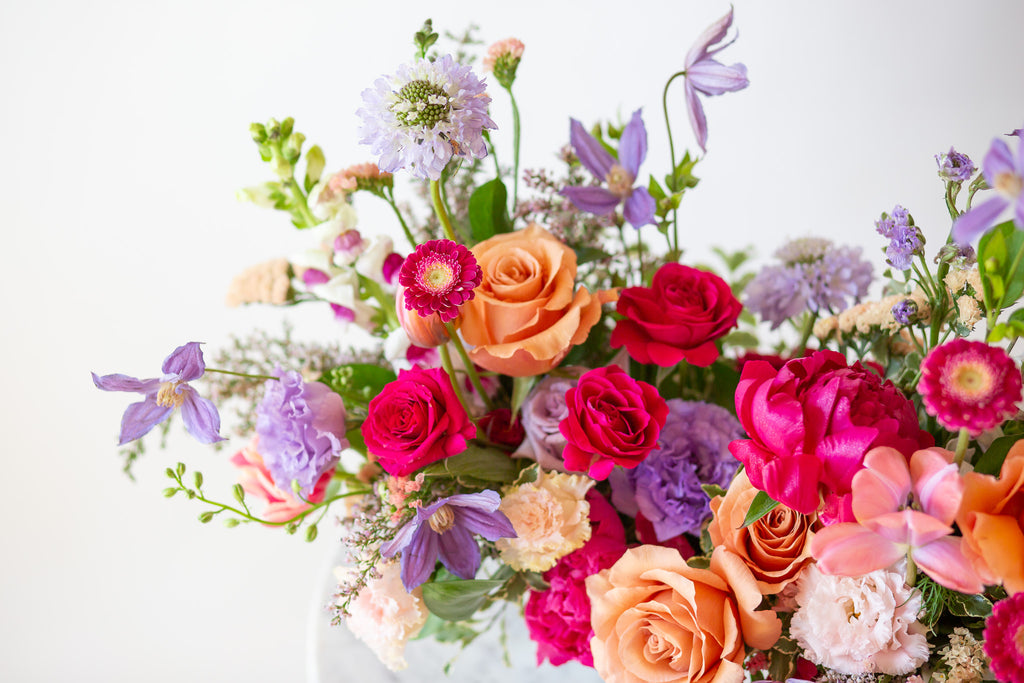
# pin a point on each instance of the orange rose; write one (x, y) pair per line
(991, 518)
(775, 548)
(527, 313)
(655, 618)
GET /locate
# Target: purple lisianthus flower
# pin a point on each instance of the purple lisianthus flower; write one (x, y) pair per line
(707, 76)
(955, 167)
(905, 239)
(619, 176)
(1004, 173)
(301, 429)
(444, 530)
(423, 115)
(666, 486)
(164, 394)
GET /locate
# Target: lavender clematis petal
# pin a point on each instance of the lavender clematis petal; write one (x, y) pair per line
(592, 198)
(490, 525)
(185, 363)
(695, 110)
(640, 207)
(200, 416)
(419, 558)
(633, 144)
(488, 501)
(713, 78)
(402, 538)
(978, 220)
(139, 418)
(711, 35)
(459, 552)
(998, 160)
(1018, 209)
(592, 154)
(119, 382)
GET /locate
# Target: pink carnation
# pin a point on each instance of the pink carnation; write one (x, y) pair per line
(1004, 639)
(256, 481)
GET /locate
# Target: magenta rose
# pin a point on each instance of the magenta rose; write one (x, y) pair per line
(415, 421)
(612, 419)
(677, 318)
(558, 619)
(810, 425)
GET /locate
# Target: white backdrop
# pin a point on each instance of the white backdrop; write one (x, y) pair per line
(125, 137)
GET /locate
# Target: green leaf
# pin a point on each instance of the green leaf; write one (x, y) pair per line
(457, 600)
(759, 507)
(699, 562)
(655, 190)
(357, 383)
(488, 210)
(521, 387)
(712, 490)
(588, 254)
(991, 461)
(485, 464)
(742, 339)
(682, 178)
(962, 605)
(444, 631)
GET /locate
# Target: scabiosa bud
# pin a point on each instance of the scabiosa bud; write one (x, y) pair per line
(905, 311)
(503, 59)
(955, 167)
(439, 277)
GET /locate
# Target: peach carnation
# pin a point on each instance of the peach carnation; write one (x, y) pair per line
(265, 283)
(551, 519)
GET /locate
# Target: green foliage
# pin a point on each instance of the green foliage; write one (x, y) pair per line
(476, 464)
(991, 461)
(425, 37)
(488, 213)
(357, 383)
(457, 600)
(759, 507)
(1001, 265)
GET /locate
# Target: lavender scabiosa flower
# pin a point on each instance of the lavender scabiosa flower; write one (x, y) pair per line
(693, 449)
(955, 167)
(707, 76)
(164, 394)
(619, 176)
(444, 530)
(425, 114)
(1004, 172)
(905, 239)
(301, 429)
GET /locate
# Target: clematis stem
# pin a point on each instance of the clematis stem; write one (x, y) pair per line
(240, 374)
(441, 210)
(962, 440)
(390, 199)
(672, 158)
(453, 334)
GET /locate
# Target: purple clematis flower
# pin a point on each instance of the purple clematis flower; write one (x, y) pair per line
(618, 175)
(708, 76)
(166, 393)
(444, 529)
(1005, 174)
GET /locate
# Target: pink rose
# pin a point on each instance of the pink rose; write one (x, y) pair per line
(810, 425)
(559, 618)
(612, 420)
(677, 318)
(415, 421)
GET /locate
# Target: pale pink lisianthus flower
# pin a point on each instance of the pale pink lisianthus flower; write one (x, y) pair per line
(256, 481)
(551, 517)
(864, 624)
(385, 616)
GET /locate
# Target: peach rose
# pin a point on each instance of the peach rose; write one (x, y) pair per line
(655, 618)
(775, 548)
(991, 518)
(527, 313)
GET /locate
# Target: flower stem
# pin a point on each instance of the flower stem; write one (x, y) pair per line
(807, 330)
(441, 210)
(301, 205)
(962, 440)
(470, 369)
(672, 160)
(241, 374)
(390, 199)
(515, 149)
(446, 361)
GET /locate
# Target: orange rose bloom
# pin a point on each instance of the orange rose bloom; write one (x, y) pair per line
(527, 313)
(775, 548)
(655, 618)
(991, 518)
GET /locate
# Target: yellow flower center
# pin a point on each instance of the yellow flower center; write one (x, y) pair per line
(437, 276)
(168, 395)
(970, 380)
(442, 520)
(1009, 184)
(620, 181)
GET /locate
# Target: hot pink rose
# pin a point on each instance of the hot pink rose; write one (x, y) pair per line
(415, 421)
(677, 318)
(612, 420)
(559, 618)
(810, 425)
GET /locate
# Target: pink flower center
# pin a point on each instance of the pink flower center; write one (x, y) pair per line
(442, 520)
(620, 181)
(1009, 184)
(168, 395)
(970, 380)
(436, 276)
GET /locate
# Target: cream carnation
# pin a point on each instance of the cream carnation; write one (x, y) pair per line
(857, 625)
(385, 616)
(551, 518)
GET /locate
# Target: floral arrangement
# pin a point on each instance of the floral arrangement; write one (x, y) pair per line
(558, 415)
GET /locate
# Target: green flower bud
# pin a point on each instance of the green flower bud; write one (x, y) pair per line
(310, 533)
(199, 479)
(231, 522)
(239, 493)
(274, 129)
(181, 468)
(205, 517)
(296, 487)
(315, 163)
(282, 169)
(292, 147)
(287, 126)
(170, 473)
(170, 492)
(258, 132)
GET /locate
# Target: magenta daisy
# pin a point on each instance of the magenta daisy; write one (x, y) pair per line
(970, 385)
(1004, 639)
(439, 277)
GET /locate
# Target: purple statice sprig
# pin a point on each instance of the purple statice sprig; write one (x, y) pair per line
(164, 394)
(905, 239)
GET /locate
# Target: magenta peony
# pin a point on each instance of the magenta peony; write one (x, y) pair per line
(415, 421)
(810, 425)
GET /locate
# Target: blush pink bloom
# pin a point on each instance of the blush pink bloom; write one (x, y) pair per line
(969, 385)
(810, 425)
(256, 481)
(416, 420)
(888, 529)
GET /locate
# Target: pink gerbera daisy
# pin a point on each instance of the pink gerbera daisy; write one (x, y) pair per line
(1004, 639)
(439, 277)
(970, 385)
